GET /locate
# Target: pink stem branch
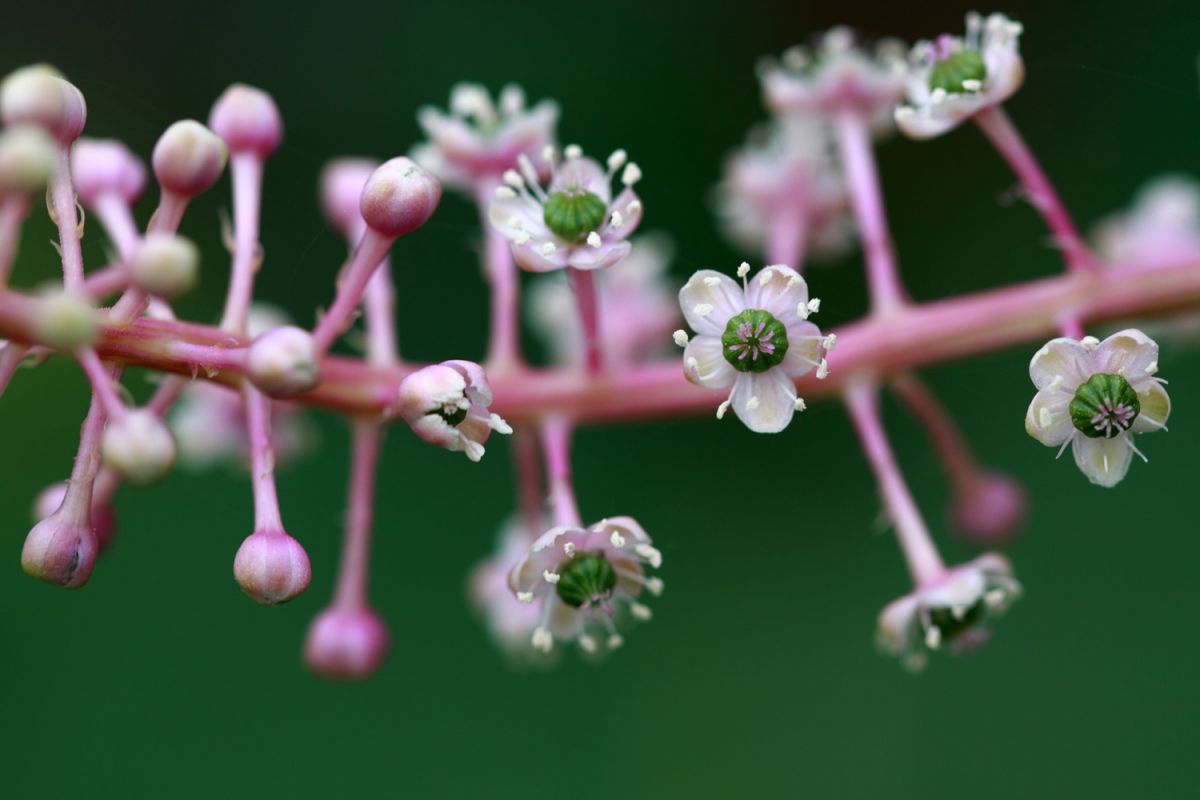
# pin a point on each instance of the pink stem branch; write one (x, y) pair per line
(246, 170)
(960, 465)
(786, 238)
(262, 460)
(351, 591)
(13, 210)
(351, 284)
(504, 346)
(924, 563)
(78, 497)
(556, 443)
(62, 204)
(529, 480)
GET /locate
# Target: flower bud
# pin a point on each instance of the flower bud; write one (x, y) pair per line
(991, 510)
(105, 166)
(346, 643)
(283, 362)
(399, 197)
(27, 156)
(104, 521)
(247, 119)
(447, 405)
(271, 567)
(139, 446)
(188, 158)
(342, 183)
(60, 551)
(63, 320)
(39, 95)
(165, 265)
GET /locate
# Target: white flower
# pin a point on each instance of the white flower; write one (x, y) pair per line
(951, 612)
(580, 578)
(574, 221)
(785, 177)
(447, 405)
(1161, 230)
(479, 139)
(1095, 396)
(841, 75)
(953, 78)
(636, 304)
(754, 338)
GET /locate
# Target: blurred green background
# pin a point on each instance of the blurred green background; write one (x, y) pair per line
(757, 677)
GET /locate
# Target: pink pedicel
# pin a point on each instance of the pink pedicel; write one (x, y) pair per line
(807, 183)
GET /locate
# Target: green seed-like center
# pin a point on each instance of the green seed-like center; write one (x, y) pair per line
(1104, 406)
(586, 578)
(949, 73)
(573, 215)
(754, 341)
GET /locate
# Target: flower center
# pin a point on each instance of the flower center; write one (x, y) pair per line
(572, 214)
(952, 624)
(587, 578)
(1104, 406)
(754, 341)
(453, 413)
(962, 71)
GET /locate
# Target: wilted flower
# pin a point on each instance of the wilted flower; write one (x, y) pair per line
(1161, 230)
(447, 404)
(953, 78)
(1094, 396)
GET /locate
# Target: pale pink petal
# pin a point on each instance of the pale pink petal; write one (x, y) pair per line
(764, 401)
(1103, 461)
(718, 295)
(804, 349)
(780, 294)
(1065, 358)
(1156, 407)
(711, 370)
(1127, 353)
(1049, 418)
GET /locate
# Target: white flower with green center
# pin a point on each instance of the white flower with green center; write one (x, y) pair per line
(574, 221)
(949, 613)
(753, 339)
(952, 78)
(580, 579)
(1094, 396)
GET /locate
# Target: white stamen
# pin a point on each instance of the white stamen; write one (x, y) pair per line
(681, 338)
(972, 85)
(513, 179)
(649, 553)
(693, 366)
(823, 370)
(497, 423)
(958, 612)
(569, 549)
(601, 525)
(548, 249)
(542, 640)
(634, 207)
(830, 342)
(473, 449)
(617, 219)
(994, 598)
(551, 577)
(618, 541)
(640, 611)
(814, 305)
(587, 643)
(937, 96)
(654, 586)
(548, 153)
(631, 175)
(710, 281)
(905, 112)
(522, 237)
(800, 405)
(1089, 342)
(753, 403)
(794, 281)
(802, 310)
(505, 193)
(933, 637)
(743, 270)
(593, 240)
(525, 597)
(1152, 368)
(703, 309)
(617, 160)
(572, 151)
(721, 409)
(766, 275)
(615, 641)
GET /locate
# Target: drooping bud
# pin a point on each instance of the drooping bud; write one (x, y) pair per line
(165, 265)
(63, 320)
(342, 183)
(248, 120)
(27, 157)
(39, 95)
(60, 551)
(271, 567)
(990, 510)
(105, 166)
(399, 197)
(283, 362)
(447, 405)
(104, 521)
(188, 158)
(349, 644)
(139, 446)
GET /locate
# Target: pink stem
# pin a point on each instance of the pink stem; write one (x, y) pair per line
(13, 210)
(504, 346)
(11, 356)
(351, 591)
(584, 287)
(379, 305)
(369, 254)
(62, 204)
(106, 281)
(101, 380)
(862, 177)
(246, 170)
(996, 125)
(924, 563)
(78, 498)
(117, 219)
(556, 443)
(529, 480)
(947, 439)
(169, 214)
(786, 238)
(262, 460)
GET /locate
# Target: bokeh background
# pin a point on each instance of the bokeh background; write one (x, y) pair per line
(757, 677)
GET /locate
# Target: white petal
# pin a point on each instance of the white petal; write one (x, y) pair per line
(1156, 407)
(710, 370)
(1127, 353)
(1061, 358)
(708, 288)
(529, 257)
(764, 401)
(1049, 418)
(804, 349)
(510, 216)
(600, 257)
(780, 295)
(1103, 461)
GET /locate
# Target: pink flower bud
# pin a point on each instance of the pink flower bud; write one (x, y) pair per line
(447, 405)
(105, 166)
(39, 95)
(247, 119)
(991, 511)
(104, 521)
(346, 643)
(283, 362)
(188, 158)
(63, 320)
(27, 158)
(271, 567)
(342, 183)
(399, 197)
(165, 265)
(60, 551)
(138, 446)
